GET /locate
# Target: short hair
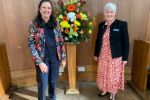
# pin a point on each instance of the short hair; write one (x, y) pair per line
(110, 5)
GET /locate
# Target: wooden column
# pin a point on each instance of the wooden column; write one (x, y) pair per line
(6, 89)
(71, 61)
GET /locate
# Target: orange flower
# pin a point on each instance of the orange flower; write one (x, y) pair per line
(71, 7)
(57, 12)
(88, 12)
(66, 31)
(74, 29)
(78, 16)
(81, 32)
(65, 19)
(55, 15)
(93, 20)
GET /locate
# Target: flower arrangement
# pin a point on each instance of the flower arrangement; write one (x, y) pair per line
(75, 21)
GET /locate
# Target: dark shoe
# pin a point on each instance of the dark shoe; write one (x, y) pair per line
(100, 95)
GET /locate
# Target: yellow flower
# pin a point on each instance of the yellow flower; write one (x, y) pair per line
(75, 0)
(57, 19)
(90, 31)
(64, 24)
(60, 16)
(67, 3)
(90, 23)
(71, 2)
(83, 16)
(76, 23)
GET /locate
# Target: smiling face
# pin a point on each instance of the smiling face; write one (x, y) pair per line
(109, 14)
(45, 10)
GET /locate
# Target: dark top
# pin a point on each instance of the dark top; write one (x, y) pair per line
(119, 39)
(50, 48)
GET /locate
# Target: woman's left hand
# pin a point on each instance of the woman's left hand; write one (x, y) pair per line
(124, 63)
(63, 64)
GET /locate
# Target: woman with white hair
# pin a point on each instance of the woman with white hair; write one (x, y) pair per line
(111, 52)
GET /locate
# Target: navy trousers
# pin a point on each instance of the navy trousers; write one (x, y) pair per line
(49, 78)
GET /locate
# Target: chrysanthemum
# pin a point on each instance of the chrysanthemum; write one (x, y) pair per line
(71, 7)
(65, 19)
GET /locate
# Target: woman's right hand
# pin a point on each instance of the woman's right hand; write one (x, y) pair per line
(96, 58)
(43, 67)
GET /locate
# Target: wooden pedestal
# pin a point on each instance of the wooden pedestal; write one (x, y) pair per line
(5, 79)
(71, 59)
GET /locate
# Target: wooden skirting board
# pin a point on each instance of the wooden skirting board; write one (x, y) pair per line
(25, 78)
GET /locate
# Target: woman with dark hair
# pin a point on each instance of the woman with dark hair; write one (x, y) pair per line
(47, 48)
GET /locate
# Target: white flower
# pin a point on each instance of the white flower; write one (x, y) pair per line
(76, 35)
(66, 38)
(71, 16)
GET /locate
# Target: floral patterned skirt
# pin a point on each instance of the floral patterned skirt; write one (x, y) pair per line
(110, 75)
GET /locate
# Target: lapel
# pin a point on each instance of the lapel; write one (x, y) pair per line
(103, 29)
(41, 31)
(56, 36)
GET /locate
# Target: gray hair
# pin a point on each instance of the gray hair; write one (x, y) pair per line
(110, 6)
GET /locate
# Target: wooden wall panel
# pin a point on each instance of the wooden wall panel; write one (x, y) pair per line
(148, 29)
(12, 10)
(83, 46)
(4, 36)
(97, 12)
(27, 15)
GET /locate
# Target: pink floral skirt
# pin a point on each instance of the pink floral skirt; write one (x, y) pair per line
(110, 76)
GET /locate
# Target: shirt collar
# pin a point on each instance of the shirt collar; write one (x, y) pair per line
(106, 23)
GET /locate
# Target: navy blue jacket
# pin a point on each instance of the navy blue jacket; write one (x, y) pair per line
(119, 39)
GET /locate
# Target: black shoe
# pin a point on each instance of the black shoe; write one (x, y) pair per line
(100, 95)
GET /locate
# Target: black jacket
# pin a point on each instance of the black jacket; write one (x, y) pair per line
(119, 39)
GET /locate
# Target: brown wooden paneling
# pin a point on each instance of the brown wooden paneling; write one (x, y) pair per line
(83, 49)
(27, 15)
(97, 12)
(23, 78)
(148, 29)
(12, 10)
(4, 36)
(23, 73)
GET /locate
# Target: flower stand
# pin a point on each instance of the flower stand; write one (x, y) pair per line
(71, 61)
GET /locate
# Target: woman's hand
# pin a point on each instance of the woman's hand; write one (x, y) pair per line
(124, 63)
(63, 64)
(96, 58)
(43, 67)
